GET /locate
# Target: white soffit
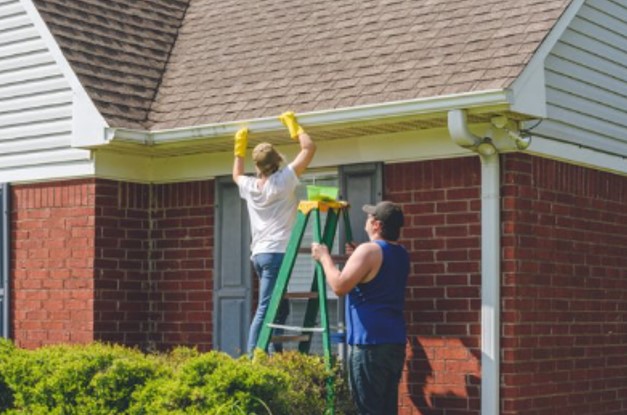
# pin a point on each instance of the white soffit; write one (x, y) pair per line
(389, 148)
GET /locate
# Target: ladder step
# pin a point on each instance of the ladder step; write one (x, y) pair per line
(296, 328)
(338, 259)
(301, 295)
(286, 339)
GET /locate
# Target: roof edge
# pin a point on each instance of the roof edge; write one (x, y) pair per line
(529, 88)
(315, 118)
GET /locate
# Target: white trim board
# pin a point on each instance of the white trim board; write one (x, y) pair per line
(578, 155)
(46, 173)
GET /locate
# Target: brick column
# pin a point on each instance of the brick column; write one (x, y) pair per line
(112, 261)
(441, 200)
(564, 292)
(52, 234)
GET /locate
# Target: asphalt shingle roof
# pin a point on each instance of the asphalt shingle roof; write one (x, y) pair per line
(118, 49)
(245, 59)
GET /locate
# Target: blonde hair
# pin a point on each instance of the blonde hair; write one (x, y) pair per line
(267, 159)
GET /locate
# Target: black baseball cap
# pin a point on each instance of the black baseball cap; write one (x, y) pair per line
(387, 212)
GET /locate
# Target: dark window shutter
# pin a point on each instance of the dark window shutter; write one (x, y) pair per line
(232, 270)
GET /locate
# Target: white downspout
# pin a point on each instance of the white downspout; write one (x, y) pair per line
(490, 258)
(490, 284)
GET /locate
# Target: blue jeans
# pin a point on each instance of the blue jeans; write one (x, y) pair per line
(374, 372)
(267, 268)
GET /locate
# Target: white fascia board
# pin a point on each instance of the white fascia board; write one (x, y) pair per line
(576, 154)
(529, 89)
(329, 117)
(46, 172)
(88, 124)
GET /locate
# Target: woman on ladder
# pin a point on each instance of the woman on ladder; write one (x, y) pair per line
(271, 202)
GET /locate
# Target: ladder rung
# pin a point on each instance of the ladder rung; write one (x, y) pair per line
(335, 258)
(285, 339)
(296, 328)
(301, 295)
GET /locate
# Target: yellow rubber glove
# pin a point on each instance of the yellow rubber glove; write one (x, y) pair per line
(289, 120)
(241, 141)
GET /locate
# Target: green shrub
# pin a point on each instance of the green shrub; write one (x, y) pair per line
(210, 382)
(113, 388)
(307, 391)
(7, 351)
(67, 379)
(99, 379)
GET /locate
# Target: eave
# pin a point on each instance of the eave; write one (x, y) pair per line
(326, 125)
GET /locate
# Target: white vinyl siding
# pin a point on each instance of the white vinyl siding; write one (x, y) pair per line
(36, 105)
(586, 79)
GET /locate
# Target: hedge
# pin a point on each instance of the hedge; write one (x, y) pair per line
(99, 379)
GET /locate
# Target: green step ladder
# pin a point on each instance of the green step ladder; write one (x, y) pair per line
(316, 297)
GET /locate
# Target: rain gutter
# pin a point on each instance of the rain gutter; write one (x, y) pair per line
(322, 118)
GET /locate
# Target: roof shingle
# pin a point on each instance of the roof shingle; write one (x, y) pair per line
(117, 48)
(255, 59)
(245, 59)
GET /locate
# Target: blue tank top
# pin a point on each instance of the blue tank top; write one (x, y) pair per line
(374, 310)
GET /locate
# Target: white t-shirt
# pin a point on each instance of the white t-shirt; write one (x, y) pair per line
(272, 209)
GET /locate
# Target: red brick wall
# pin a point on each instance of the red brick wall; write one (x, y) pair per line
(122, 279)
(441, 201)
(182, 264)
(564, 291)
(154, 261)
(97, 259)
(112, 261)
(52, 245)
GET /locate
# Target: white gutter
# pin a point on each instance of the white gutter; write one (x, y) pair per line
(322, 118)
(490, 258)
